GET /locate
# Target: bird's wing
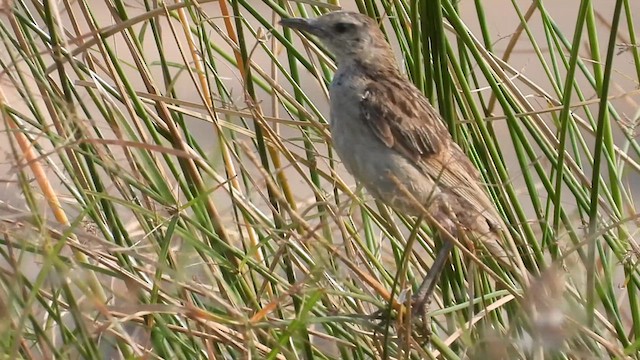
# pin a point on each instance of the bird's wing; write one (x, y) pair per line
(405, 121)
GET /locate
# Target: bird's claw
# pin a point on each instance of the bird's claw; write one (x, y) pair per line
(417, 319)
(420, 318)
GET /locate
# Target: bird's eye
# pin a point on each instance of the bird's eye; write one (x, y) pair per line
(341, 28)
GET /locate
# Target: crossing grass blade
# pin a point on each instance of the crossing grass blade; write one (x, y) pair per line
(171, 191)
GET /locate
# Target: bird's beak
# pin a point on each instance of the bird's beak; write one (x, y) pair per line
(302, 24)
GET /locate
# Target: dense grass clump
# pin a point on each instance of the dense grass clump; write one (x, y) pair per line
(171, 192)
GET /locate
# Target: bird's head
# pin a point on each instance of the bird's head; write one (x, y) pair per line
(348, 35)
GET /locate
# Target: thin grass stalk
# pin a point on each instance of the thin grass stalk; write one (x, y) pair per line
(344, 251)
(603, 141)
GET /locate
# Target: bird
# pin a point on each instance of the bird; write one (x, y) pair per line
(391, 139)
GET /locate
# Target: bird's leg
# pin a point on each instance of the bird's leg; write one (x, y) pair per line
(422, 298)
(423, 295)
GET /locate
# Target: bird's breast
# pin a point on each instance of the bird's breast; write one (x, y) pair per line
(379, 168)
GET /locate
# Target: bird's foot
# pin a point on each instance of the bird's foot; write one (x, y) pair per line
(420, 318)
(413, 320)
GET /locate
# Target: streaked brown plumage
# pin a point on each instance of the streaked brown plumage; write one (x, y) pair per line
(392, 140)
